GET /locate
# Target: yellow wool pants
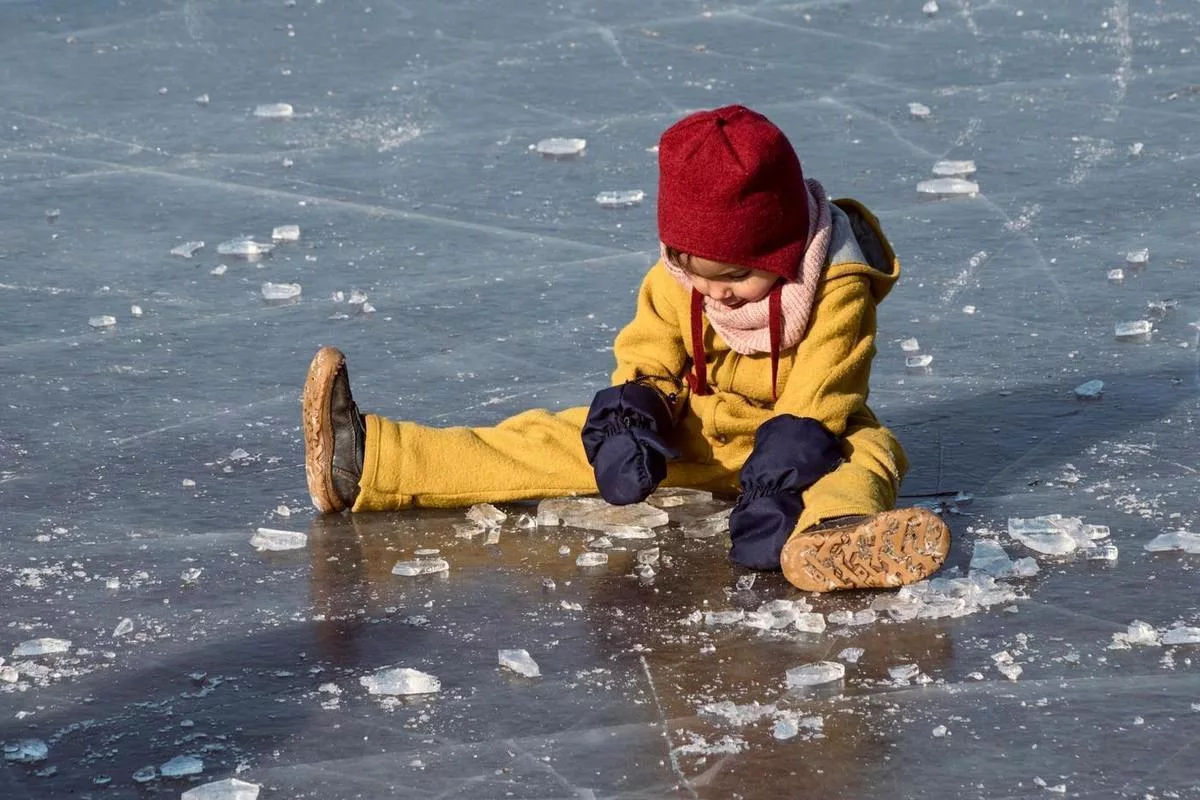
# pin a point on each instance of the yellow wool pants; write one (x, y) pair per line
(539, 454)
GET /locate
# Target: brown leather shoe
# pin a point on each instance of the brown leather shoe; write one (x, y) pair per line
(881, 551)
(334, 433)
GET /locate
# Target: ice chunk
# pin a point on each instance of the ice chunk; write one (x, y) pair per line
(1089, 390)
(939, 731)
(135, 311)
(713, 525)
(918, 110)
(592, 560)
(102, 321)
(421, 566)
(930, 8)
(910, 345)
(851, 655)
(649, 556)
(809, 622)
(244, 247)
(841, 617)
(42, 647)
(1104, 552)
(815, 674)
(990, 557)
(1137, 331)
(400, 681)
(357, 297)
(274, 111)
(1137, 258)
(1010, 671)
(904, 672)
(182, 767)
(1181, 634)
(146, 775)
(187, 249)
(124, 628)
(678, 496)
(1186, 541)
(555, 147)
(1138, 632)
(1050, 535)
(919, 363)
(950, 169)
(486, 515)
(26, 751)
(280, 291)
(218, 270)
(286, 233)
(948, 187)
(1116, 275)
(724, 617)
(789, 723)
(738, 715)
(621, 199)
(271, 539)
(626, 532)
(1136, 149)
(745, 582)
(592, 513)
(228, 789)
(520, 662)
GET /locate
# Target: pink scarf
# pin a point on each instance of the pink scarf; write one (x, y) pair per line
(747, 329)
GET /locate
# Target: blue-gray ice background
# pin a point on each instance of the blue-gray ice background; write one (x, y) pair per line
(498, 284)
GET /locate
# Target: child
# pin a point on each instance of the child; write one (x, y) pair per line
(746, 367)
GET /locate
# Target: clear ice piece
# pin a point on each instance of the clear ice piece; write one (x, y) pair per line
(730, 617)
(271, 539)
(815, 674)
(620, 199)
(950, 169)
(286, 233)
(42, 647)
(626, 532)
(146, 775)
(1181, 635)
(486, 515)
(678, 496)
(1186, 541)
(187, 249)
(930, 8)
(990, 557)
(102, 321)
(851, 655)
(182, 767)
(745, 582)
(1010, 671)
(244, 247)
(1103, 552)
(124, 628)
(948, 187)
(218, 270)
(810, 622)
(592, 513)
(26, 751)
(228, 789)
(274, 111)
(1089, 390)
(280, 291)
(904, 672)
(520, 662)
(910, 345)
(1116, 275)
(556, 147)
(400, 681)
(713, 525)
(1137, 258)
(919, 110)
(1136, 331)
(1051, 535)
(421, 566)
(919, 362)
(592, 560)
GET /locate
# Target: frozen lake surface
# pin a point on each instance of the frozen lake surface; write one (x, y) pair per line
(149, 422)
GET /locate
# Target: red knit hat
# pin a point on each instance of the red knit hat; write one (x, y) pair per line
(730, 189)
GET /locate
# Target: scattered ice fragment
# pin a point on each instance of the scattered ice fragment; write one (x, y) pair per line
(910, 345)
(1137, 258)
(851, 655)
(567, 605)
(745, 582)
(939, 732)
(842, 617)
(146, 775)
(201, 100)
(1139, 633)
(1137, 331)
(283, 511)
(520, 662)
(187, 249)
(124, 628)
(102, 321)
(271, 539)
(357, 297)
(280, 291)
(904, 672)
(815, 674)
(9, 675)
(1116, 275)
(486, 515)
(990, 557)
(600, 543)
(244, 247)
(626, 532)
(594, 514)
(1181, 635)
(1010, 671)
(1089, 390)
(422, 566)
(190, 576)
(274, 111)
(930, 8)
(239, 454)
(948, 187)
(564, 550)
(738, 715)
(1186, 541)
(426, 552)
(620, 199)
(26, 751)
(1104, 552)
(724, 617)
(52, 215)
(919, 110)
(592, 560)
(493, 536)
(400, 681)
(228, 789)
(286, 233)
(968, 309)
(182, 767)
(950, 169)
(135, 311)
(678, 496)
(811, 622)
(560, 148)
(1051, 534)
(1136, 148)
(218, 270)
(42, 647)
(918, 363)
(649, 556)
(367, 308)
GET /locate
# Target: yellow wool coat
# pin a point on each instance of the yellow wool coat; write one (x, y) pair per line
(825, 377)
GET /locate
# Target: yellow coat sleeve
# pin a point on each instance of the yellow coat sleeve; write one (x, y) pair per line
(832, 369)
(650, 348)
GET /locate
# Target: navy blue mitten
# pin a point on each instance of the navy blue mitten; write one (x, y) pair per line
(790, 454)
(623, 440)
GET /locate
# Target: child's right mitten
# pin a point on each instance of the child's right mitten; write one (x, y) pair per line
(790, 454)
(623, 440)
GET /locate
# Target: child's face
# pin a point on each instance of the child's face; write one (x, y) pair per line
(729, 284)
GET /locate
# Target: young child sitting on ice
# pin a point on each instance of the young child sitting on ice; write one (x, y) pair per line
(745, 369)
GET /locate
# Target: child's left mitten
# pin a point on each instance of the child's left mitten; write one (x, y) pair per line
(790, 454)
(624, 441)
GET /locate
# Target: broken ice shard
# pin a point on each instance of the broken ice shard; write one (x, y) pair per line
(1089, 390)
(930, 8)
(851, 655)
(592, 560)
(626, 532)
(1136, 331)
(26, 751)
(918, 110)
(904, 672)
(102, 321)
(841, 617)
(918, 363)
(124, 628)
(815, 674)
(520, 662)
(990, 557)
(1186, 541)
(1116, 275)
(229, 789)
(422, 566)
(1138, 632)
(592, 513)
(555, 147)
(1104, 552)
(910, 345)
(951, 169)
(280, 291)
(182, 767)
(724, 617)
(274, 111)
(948, 187)
(270, 539)
(486, 515)
(678, 496)
(286, 233)
(400, 681)
(187, 249)
(1051, 534)
(146, 775)
(1137, 258)
(620, 199)
(244, 247)
(42, 647)
(1181, 635)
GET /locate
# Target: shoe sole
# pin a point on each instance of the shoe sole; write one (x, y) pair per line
(318, 429)
(887, 550)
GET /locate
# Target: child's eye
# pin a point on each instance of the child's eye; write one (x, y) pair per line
(741, 276)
